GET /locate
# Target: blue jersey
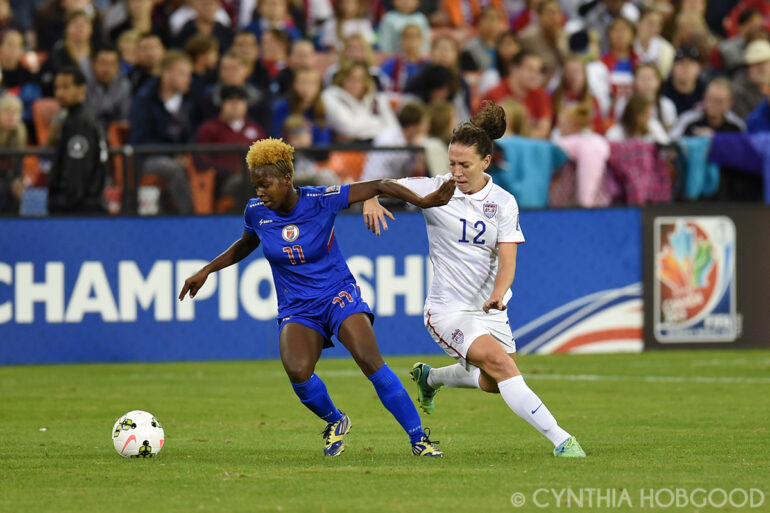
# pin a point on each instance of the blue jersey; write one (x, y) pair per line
(304, 256)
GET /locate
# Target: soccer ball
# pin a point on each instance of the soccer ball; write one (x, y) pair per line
(137, 434)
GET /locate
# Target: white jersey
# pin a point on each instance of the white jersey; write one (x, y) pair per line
(463, 237)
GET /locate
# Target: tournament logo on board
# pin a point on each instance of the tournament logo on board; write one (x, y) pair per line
(694, 289)
(490, 209)
(290, 232)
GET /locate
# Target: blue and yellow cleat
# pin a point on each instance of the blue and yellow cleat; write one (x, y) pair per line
(333, 435)
(425, 392)
(570, 448)
(427, 447)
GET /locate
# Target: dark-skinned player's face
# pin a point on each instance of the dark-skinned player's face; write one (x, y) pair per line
(271, 189)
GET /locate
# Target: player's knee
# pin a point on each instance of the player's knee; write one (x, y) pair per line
(369, 363)
(298, 372)
(487, 384)
(499, 367)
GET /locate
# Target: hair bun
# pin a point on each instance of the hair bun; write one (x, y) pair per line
(491, 119)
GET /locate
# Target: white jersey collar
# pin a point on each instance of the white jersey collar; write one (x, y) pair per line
(483, 193)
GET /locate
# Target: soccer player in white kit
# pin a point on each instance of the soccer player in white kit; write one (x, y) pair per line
(473, 242)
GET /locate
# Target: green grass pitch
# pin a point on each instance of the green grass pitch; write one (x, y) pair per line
(237, 439)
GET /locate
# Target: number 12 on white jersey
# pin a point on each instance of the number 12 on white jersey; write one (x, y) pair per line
(478, 225)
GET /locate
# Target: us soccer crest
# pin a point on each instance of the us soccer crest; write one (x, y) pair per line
(290, 232)
(694, 288)
(490, 209)
(458, 337)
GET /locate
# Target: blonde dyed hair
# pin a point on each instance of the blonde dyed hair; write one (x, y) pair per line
(271, 152)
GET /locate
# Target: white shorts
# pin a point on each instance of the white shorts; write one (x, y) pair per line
(455, 331)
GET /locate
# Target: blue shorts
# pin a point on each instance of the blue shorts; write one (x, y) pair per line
(326, 315)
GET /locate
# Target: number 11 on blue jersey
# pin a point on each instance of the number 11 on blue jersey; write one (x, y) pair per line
(289, 250)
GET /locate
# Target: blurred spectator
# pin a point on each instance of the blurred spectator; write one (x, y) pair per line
(714, 115)
(730, 22)
(685, 85)
(303, 99)
(310, 168)
(731, 50)
(149, 54)
(16, 79)
(232, 126)
(356, 49)
(274, 14)
(52, 17)
(582, 182)
(75, 49)
(515, 118)
(445, 52)
(179, 12)
(506, 48)
(108, 96)
(523, 85)
(13, 136)
(547, 39)
(349, 18)
(411, 128)
(521, 19)
(748, 83)
(647, 82)
(650, 46)
(79, 163)
(204, 53)
(275, 54)
(598, 16)
(465, 13)
(573, 90)
(161, 113)
(302, 55)
(441, 121)
(234, 71)
(691, 30)
(620, 61)
(392, 25)
(479, 53)
(206, 23)
(139, 17)
(435, 84)
(408, 61)
(246, 46)
(635, 122)
(22, 13)
(128, 48)
(7, 18)
(759, 119)
(355, 111)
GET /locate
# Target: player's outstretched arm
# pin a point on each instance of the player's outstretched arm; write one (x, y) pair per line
(361, 191)
(239, 250)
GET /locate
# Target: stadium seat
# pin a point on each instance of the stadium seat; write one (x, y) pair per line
(202, 185)
(30, 171)
(348, 165)
(44, 111)
(117, 136)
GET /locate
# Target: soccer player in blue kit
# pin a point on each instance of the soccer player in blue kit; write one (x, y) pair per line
(317, 295)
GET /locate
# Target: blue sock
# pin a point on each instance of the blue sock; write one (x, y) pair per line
(313, 394)
(397, 401)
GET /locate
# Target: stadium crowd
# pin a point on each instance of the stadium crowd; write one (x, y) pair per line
(608, 101)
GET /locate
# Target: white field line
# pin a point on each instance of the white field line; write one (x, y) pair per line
(561, 377)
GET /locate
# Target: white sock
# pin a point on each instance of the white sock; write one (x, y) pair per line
(527, 405)
(454, 376)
